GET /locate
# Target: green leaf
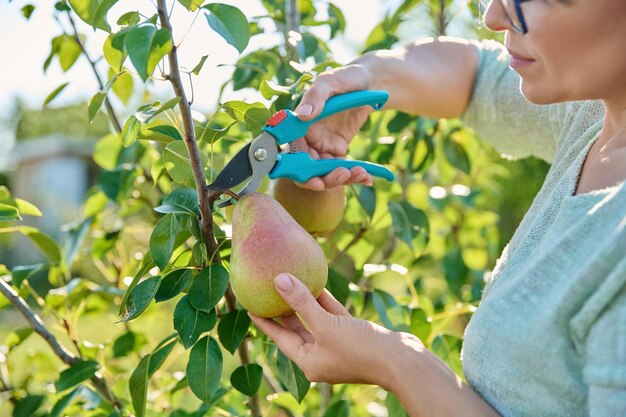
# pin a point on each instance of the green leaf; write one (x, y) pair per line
(162, 133)
(181, 200)
(117, 182)
(254, 115)
(64, 402)
(75, 239)
(177, 163)
(384, 303)
(27, 406)
(337, 21)
(292, 377)
(146, 46)
(23, 272)
(149, 364)
(68, 53)
(114, 51)
(208, 287)
(191, 5)
(127, 343)
(123, 86)
(148, 112)
(196, 70)
(190, 323)
(247, 378)
(8, 212)
(230, 23)
(93, 12)
(94, 105)
(206, 133)
(130, 131)
(138, 384)
(129, 18)
(401, 227)
(162, 240)
(25, 208)
(421, 326)
(16, 337)
(270, 89)
(54, 93)
(172, 284)
(456, 155)
(160, 354)
(204, 369)
(146, 265)
(43, 242)
(339, 409)
(338, 285)
(27, 11)
(367, 199)
(140, 297)
(394, 406)
(233, 329)
(76, 374)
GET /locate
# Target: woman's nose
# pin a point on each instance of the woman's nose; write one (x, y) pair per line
(495, 17)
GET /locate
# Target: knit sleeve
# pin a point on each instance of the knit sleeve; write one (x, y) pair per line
(502, 116)
(605, 361)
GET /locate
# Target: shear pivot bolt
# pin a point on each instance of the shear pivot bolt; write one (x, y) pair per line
(260, 154)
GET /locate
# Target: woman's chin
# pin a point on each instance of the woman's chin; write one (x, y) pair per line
(538, 94)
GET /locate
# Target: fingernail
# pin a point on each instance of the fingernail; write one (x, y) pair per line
(283, 282)
(343, 177)
(304, 110)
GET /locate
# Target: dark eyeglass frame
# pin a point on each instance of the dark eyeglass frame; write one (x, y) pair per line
(506, 5)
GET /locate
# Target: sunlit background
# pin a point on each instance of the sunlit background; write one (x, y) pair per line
(26, 44)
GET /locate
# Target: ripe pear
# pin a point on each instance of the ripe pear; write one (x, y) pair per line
(267, 241)
(319, 212)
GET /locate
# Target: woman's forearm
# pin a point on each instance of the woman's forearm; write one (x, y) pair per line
(431, 77)
(426, 386)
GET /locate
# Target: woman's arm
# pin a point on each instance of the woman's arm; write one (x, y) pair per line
(332, 346)
(431, 77)
(426, 386)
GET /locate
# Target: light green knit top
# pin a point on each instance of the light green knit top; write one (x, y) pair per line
(549, 336)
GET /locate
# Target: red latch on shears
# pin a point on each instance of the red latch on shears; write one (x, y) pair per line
(276, 118)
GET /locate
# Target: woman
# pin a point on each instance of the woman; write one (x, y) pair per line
(549, 337)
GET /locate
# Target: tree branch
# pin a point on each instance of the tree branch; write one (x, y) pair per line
(206, 219)
(65, 355)
(107, 102)
(243, 352)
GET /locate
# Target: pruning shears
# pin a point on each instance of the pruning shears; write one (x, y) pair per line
(264, 155)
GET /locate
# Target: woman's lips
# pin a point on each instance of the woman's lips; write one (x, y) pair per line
(518, 61)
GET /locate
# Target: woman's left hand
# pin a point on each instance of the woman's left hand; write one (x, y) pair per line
(329, 345)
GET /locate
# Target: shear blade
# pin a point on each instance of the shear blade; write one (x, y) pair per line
(235, 172)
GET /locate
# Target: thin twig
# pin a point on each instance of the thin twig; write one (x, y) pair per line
(355, 239)
(65, 355)
(231, 305)
(116, 123)
(206, 219)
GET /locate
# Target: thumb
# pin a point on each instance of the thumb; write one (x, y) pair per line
(300, 299)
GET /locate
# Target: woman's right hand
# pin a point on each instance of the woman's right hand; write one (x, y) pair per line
(330, 137)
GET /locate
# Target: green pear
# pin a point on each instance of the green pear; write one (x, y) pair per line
(319, 212)
(267, 241)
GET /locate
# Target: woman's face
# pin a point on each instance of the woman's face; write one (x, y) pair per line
(574, 50)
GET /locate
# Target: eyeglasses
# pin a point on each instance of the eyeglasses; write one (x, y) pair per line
(513, 11)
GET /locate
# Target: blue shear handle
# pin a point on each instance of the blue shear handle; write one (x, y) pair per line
(299, 166)
(292, 128)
